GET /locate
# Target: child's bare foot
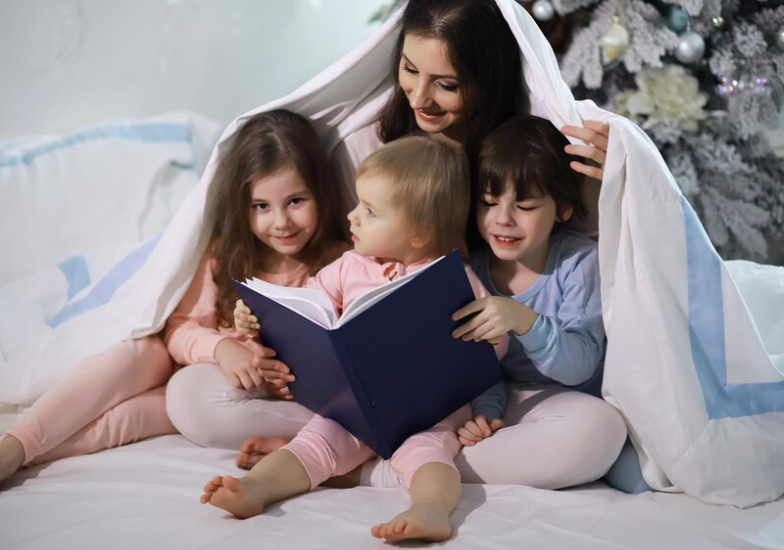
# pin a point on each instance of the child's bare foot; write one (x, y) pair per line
(11, 456)
(418, 522)
(244, 497)
(256, 448)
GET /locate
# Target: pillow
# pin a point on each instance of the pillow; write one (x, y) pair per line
(109, 184)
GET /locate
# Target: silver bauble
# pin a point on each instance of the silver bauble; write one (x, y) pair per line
(543, 10)
(780, 38)
(690, 48)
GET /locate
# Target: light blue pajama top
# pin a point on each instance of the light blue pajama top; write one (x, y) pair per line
(566, 344)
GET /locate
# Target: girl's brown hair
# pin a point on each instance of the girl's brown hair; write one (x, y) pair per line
(431, 182)
(266, 143)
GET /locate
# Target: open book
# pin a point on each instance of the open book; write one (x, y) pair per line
(388, 367)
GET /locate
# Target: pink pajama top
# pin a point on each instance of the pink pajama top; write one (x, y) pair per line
(192, 331)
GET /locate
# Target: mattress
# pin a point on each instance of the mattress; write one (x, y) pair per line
(146, 496)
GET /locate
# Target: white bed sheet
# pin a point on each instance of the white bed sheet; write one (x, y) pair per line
(145, 496)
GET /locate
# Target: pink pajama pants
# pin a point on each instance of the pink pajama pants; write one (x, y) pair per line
(111, 399)
(326, 449)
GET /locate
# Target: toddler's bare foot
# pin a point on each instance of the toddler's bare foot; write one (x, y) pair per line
(244, 497)
(418, 522)
(256, 448)
(11, 456)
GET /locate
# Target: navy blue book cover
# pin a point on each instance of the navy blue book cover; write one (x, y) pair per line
(394, 369)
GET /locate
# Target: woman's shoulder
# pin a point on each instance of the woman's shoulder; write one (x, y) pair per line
(352, 150)
(361, 142)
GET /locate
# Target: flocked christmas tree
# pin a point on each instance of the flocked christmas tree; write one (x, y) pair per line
(705, 79)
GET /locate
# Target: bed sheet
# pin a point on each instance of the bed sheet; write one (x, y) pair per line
(146, 496)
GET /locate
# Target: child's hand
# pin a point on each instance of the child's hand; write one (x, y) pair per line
(244, 320)
(276, 374)
(478, 429)
(237, 363)
(495, 316)
(276, 391)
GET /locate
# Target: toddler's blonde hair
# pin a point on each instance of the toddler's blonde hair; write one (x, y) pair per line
(431, 183)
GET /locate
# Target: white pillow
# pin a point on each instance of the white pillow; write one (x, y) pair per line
(109, 184)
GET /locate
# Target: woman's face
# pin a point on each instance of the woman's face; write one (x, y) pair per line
(432, 87)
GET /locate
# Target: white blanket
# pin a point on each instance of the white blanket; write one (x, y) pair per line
(146, 495)
(685, 364)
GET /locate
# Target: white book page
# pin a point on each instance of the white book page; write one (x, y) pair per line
(379, 293)
(309, 303)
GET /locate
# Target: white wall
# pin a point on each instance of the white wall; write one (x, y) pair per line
(67, 63)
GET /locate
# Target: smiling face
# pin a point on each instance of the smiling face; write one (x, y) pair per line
(431, 85)
(284, 214)
(519, 230)
(380, 228)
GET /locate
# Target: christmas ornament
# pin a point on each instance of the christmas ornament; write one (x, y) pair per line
(543, 10)
(749, 85)
(615, 40)
(690, 48)
(780, 38)
(677, 18)
(718, 21)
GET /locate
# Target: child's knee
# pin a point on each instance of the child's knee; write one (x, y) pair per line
(326, 449)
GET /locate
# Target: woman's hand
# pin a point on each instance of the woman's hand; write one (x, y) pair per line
(495, 316)
(597, 134)
(477, 429)
(237, 363)
(244, 321)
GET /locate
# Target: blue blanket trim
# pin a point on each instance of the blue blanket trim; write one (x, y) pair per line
(155, 132)
(706, 331)
(104, 290)
(77, 273)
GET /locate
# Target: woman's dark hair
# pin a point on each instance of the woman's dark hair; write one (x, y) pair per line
(265, 144)
(483, 52)
(528, 152)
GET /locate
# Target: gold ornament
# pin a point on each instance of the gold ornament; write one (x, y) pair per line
(614, 40)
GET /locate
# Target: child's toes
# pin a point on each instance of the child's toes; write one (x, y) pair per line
(251, 445)
(231, 483)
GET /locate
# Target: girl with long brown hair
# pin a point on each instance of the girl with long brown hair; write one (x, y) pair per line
(280, 217)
